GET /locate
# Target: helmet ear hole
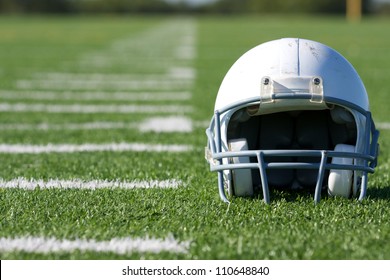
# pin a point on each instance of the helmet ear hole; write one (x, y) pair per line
(341, 116)
(241, 179)
(342, 126)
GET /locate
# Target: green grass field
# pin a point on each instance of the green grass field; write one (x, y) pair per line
(69, 82)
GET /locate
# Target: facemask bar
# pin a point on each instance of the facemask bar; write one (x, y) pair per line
(215, 155)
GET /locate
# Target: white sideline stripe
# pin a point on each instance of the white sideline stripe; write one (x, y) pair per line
(172, 39)
(32, 184)
(73, 148)
(120, 246)
(383, 125)
(156, 124)
(161, 84)
(95, 95)
(88, 108)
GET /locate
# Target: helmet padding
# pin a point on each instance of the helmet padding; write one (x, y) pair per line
(294, 130)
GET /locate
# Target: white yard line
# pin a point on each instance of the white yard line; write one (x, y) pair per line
(32, 184)
(80, 84)
(90, 147)
(383, 125)
(89, 108)
(169, 124)
(172, 73)
(95, 95)
(106, 60)
(201, 124)
(120, 246)
(68, 126)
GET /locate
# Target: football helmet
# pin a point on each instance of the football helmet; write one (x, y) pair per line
(292, 114)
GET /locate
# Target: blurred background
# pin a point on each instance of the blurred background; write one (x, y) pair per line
(369, 7)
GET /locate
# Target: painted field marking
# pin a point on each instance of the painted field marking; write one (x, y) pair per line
(32, 184)
(80, 84)
(170, 36)
(168, 124)
(95, 95)
(120, 246)
(176, 77)
(383, 125)
(176, 41)
(90, 147)
(172, 73)
(97, 108)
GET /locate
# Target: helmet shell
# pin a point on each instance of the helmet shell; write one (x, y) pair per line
(292, 57)
(290, 75)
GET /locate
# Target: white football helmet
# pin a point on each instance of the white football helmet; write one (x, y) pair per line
(292, 113)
